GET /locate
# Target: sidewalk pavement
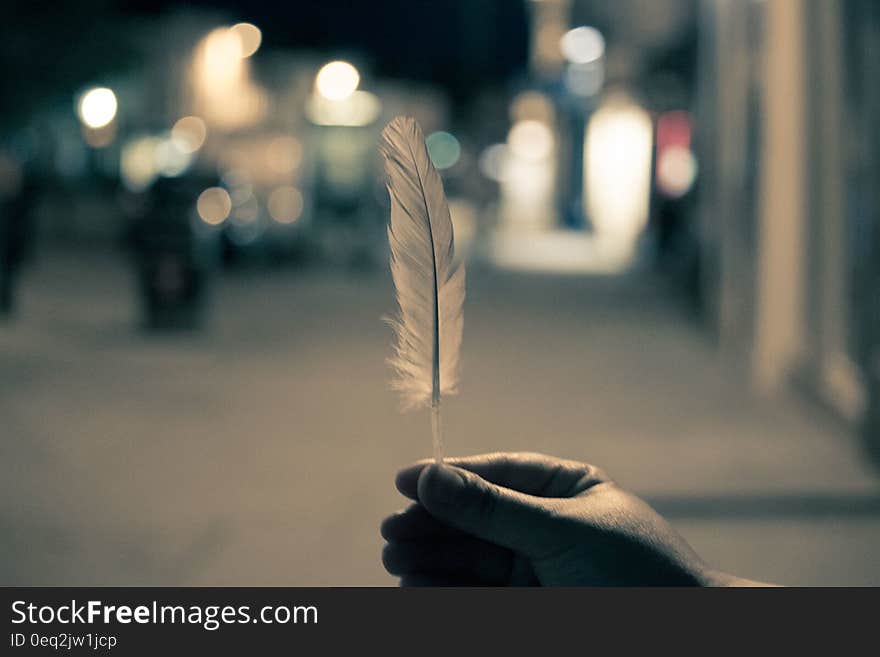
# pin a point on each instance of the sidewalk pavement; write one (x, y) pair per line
(263, 451)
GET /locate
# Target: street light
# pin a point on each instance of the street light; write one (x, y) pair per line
(97, 107)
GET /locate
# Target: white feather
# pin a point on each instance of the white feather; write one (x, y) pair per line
(428, 282)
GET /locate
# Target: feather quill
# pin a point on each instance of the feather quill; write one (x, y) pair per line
(428, 281)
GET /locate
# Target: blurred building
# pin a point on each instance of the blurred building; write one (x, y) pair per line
(788, 217)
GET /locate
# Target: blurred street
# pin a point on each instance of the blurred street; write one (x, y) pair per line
(263, 451)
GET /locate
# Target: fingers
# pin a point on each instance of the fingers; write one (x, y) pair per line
(496, 514)
(427, 552)
(533, 474)
(508, 500)
(416, 524)
(463, 559)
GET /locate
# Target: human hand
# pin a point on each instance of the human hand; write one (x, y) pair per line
(530, 519)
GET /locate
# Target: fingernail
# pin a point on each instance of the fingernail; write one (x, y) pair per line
(443, 483)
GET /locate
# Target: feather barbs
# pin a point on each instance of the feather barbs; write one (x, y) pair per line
(428, 282)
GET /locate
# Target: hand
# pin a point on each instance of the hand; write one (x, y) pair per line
(530, 519)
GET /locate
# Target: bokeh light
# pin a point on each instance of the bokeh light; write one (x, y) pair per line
(617, 175)
(492, 161)
(239, 183)
(674, 129)
(357, 109)
(337, 80)
(170, 160)
(214, 205)
(138, 163)
(444, 149)
(530, 140)
(97, 107)
(534, 105)
(285, 204)
(582, 45)
(246, 211)
(222, 47)
(225, 96)
(189, 134)
(249, 36)
(676, 171)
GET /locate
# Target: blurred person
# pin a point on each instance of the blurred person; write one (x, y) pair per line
(172, 258)
(533, 520)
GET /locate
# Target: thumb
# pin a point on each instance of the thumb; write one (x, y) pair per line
(488, 511)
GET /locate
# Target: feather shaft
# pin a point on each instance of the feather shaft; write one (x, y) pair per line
(437, 433)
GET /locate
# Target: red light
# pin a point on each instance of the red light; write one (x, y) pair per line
(673, 129)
